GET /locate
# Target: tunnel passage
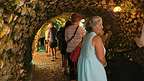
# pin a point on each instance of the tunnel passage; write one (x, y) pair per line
(20, 21)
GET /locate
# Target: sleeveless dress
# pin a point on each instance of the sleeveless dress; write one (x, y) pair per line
(89, 67)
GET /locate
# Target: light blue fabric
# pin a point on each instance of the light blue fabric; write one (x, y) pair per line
(89, 67)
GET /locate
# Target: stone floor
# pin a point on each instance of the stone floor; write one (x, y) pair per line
(46, 70)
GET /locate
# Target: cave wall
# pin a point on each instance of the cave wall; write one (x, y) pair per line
(21, 19)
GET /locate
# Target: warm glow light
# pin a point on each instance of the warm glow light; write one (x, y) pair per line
(82, 22)
(117, 9)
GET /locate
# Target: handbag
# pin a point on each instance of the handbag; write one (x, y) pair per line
(74, 55)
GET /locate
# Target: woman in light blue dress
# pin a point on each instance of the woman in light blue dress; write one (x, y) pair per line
(92, 61)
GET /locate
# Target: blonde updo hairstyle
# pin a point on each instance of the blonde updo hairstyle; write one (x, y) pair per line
(92, 22)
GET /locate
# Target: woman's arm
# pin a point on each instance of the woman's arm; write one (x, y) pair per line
(99, 47)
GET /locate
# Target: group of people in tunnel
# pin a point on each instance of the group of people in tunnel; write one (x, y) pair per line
(51, 41)
(90, 59)
(48, 42)
(90, 62)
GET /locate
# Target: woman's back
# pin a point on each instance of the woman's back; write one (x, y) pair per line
(89, 67)
(53, 33)
(86, 45)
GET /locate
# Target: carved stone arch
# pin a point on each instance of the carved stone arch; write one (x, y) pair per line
(16, 46)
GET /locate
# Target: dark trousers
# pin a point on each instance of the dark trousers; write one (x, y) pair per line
(73, 69)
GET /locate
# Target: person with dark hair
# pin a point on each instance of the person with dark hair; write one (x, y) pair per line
(73, 36)
(62, 45)
(53, 41)
(92, 60)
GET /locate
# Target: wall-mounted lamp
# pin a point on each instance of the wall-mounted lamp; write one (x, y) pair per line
(117, 9)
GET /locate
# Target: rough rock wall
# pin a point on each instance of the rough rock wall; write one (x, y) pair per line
(21, 19)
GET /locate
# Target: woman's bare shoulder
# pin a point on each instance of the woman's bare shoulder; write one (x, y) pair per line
(97, 41)
(97, 38)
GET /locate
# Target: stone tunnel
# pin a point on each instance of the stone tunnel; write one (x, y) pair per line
(20, 20)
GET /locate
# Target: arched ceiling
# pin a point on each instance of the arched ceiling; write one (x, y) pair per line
(21, 19)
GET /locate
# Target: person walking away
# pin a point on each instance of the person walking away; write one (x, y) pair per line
(53, 41)
(47, 38)
(46, 41)
(62, 46)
